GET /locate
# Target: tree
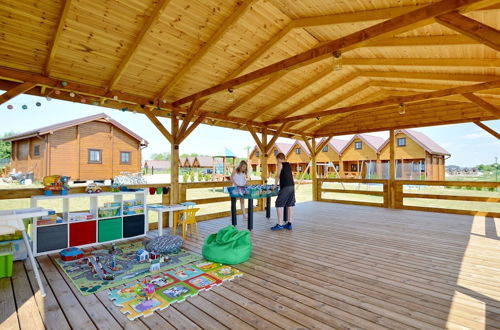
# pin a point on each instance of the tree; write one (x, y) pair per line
(5, 147)
(162, 156)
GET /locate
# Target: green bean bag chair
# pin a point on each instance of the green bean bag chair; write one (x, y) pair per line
(229, 246)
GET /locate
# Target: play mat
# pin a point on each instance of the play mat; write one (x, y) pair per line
(108, 268)
(157, 292)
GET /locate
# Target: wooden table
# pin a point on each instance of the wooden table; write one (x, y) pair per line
(234, 220)
(160, 209)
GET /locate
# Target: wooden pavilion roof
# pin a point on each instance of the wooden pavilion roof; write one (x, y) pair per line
(439, 60)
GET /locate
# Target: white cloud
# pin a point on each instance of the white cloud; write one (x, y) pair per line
(473, 136)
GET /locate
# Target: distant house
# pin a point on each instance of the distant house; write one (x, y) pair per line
(360, 150)
(254, 157)
(328, 159)
(91, 148)
(205, 161)
(157, 164)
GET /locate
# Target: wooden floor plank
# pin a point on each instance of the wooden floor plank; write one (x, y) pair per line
(177, 319)
(52, 314)
(27, 309)
(199, 317)
(8, 313)
(76, 314)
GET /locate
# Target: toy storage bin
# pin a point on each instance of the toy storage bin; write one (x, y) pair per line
(49, 238)
(82, 233)
(110, 229)
(133, 225)
(6, 259)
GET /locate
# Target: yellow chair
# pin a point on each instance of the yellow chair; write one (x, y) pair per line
(188, 219)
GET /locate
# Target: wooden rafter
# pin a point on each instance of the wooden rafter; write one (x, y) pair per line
(150, 22)
(189, 115)
(471, 28)
(399, 24)
(159, 125)
(488, 129)
(308, 145)
(275, 137)
(66, 4)
(394, 100)
(243, 6)
(428, 75)
(15, 91)
(322, 144)
(491, 108)
(262, 111)
(256, 138)
(439, 62)
(191, 128)
(254, 93)
(454, 39)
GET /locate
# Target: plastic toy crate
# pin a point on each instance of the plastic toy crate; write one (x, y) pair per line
(6, 259)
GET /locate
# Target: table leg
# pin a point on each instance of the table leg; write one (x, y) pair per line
(234, 220)
(33, 263)
(250, 214)
(268, 207)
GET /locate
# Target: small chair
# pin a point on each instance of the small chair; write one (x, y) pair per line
(188, 219)
(178, 217)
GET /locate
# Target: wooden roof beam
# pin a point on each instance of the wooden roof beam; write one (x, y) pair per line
(150, 22)
(66, 4)
(256, 138)
(254, 93)
(15, 91)
(195, 105)
(488, 129)
(439, 62)
(452, 40)
(478, 31)
(428, 75)
(191, 128)
(491, 108)
(396, 25)
(394, 100)
(275, 137)
(308, 145)
(159, 125)
(241, 9)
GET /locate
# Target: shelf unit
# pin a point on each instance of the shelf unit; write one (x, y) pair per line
(51, 238)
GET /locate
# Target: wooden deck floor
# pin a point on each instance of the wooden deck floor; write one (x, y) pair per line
(342, 266)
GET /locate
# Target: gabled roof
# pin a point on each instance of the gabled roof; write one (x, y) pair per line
(182, 160)
(302, 145)
(191, 160)
(282, 147)
(74, 122)
(372, 141)
(158, 164)
(422, 140)
(336, 144)
(205, 161)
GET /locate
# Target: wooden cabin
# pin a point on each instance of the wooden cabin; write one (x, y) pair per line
(91, 148)
(299, 157)
(360, 150)
(204, 161)
(254, 158)
(328, 159)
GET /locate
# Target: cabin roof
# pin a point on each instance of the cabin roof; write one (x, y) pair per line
(205, 161)
(423, 140)
(71, 123)
(372, 141)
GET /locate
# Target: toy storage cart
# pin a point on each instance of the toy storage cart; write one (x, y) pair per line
(122, 220)
(12, 220)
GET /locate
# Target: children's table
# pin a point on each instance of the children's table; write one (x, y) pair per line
(160, 209)
(11, 220)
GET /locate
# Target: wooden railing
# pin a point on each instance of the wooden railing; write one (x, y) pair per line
(443, 200)
(344, 185)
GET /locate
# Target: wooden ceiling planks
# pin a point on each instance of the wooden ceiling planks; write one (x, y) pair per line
(96, 39)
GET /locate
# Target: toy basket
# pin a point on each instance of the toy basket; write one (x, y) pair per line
(6, 259)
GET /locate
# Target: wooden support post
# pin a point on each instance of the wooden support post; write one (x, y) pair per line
(263, 156)
(15, 91)
(174, 166)
(314, 170)
(392, 170)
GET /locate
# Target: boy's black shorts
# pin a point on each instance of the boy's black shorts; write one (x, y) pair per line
(286, 197)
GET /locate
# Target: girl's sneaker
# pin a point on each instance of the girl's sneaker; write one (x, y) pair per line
(277, 227)
(288, 226)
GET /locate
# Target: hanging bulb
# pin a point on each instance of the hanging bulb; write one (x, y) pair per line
(38, 104)
(402, 108)
(230, 95)
(48, 98)
(57, 92)
(337, 60)
(10, 107)
(64, 83)
(72, 94)
(115, 97)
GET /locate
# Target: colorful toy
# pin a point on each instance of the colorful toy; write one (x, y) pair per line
(71, 254)
(142, 255)
(55, 183)
(115, 187)
(93, 188)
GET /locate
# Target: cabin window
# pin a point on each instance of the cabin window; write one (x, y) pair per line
(124, 157)
(336, 167)
(358, 145)
(297, 151)
(325, 149)
(95, 156)
(257, 154)
(354, 167)
(22, 150)
(401, 142)
(276, 152)
(36, 150)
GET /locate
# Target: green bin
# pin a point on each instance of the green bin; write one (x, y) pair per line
(110, 229)
(6, 258)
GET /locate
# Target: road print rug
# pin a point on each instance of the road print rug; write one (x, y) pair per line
(157, 292)
(105, 269)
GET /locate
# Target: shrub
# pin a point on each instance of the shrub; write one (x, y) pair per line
(479, 188)
(207, 177)
(185, 177)
(307, 176)
(200, 176)
(191, 176)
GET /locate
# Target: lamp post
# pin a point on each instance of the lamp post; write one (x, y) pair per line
(496, 169)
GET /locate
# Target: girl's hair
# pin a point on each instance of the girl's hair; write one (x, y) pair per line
(239, 168)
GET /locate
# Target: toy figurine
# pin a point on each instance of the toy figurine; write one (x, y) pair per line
(93, 188)
(55, 183)
(115, 187)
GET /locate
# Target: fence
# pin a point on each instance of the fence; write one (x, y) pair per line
(354, 191)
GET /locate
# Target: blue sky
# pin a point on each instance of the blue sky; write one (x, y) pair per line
(468, 144)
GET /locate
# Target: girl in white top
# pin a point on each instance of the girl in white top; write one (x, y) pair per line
(239, 179)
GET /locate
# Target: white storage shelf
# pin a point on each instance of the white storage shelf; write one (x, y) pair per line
(51, 238)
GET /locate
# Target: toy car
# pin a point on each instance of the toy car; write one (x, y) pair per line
(93, 188)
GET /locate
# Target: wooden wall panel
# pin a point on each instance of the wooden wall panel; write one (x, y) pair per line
(412, 150)
(366, 153)
(124, 142)
(95, 135)
(63, 153)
